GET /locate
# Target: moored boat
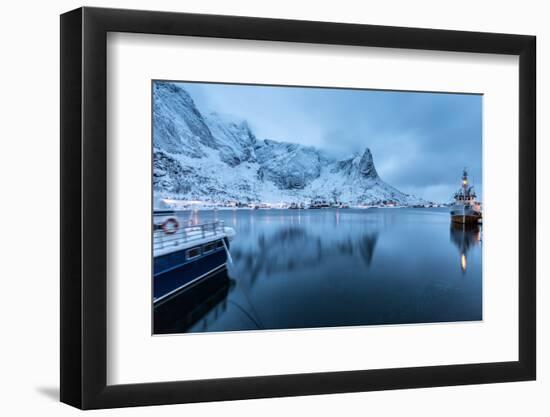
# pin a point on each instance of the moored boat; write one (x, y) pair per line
(186, 254)
(466, 209)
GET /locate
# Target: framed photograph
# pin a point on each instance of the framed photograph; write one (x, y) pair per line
(257, 208)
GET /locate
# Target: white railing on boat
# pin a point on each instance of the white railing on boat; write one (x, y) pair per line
(186, 234)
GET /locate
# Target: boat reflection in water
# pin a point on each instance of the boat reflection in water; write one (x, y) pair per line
(334, 267)
(465, 236)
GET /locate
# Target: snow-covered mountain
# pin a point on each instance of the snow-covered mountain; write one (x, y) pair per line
(218, 158)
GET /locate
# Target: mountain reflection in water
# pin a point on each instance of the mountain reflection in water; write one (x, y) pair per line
(293, 248)
(344, 267)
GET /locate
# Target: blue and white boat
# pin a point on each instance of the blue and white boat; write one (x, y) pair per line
(186, 253)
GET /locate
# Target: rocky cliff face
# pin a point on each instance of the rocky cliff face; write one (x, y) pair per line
(218, 158)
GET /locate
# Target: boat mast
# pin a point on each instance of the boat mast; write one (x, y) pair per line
(465, 186)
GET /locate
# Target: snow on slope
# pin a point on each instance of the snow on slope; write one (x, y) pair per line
(218, 158)
(233, 138)
(288, 165)
(178, 126)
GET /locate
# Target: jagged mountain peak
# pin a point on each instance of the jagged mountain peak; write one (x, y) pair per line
(289, 166)
(366, 165)
(178, 125)
(217, 157)
(234, 138)
(171, 87)
(358, 165)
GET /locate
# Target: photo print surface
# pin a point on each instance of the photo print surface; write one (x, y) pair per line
(286, 207)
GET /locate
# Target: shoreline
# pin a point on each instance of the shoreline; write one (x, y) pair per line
(224, 208)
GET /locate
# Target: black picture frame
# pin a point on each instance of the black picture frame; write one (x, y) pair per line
(84, 207)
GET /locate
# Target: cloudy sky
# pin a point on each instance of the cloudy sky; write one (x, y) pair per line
(420, 141)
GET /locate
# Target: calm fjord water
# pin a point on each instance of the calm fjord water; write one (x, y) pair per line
(345, 267)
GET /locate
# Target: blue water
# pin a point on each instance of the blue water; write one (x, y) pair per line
(346, 267)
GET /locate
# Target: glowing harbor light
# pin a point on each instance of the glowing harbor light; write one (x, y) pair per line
(463, 262)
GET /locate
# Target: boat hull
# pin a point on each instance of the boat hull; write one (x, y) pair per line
(466, 219)
(173, 272)
(464, 215)
(178, 313)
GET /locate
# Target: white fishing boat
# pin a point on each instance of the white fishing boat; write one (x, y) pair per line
(466, 208)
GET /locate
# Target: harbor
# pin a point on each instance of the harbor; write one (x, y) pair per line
(331, 267)
(303, 207)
